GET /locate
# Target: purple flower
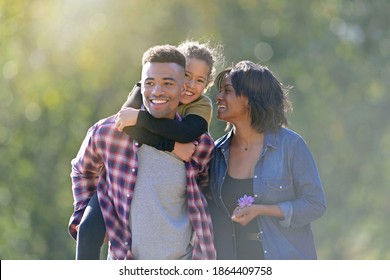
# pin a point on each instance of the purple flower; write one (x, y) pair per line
(245, 201)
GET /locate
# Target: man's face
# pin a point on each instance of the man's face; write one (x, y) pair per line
(162, 85)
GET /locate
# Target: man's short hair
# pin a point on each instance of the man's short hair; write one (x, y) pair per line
(164, 54)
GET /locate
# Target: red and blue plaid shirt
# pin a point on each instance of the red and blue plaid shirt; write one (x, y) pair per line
(107, 163)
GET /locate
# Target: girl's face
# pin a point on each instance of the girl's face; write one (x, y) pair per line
(230, 107)
(196, 79)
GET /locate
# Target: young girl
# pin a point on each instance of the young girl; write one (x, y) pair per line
(163, 134)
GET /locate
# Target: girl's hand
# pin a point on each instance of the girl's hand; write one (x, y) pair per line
(245, 215)
(184, 150)
(126, 117)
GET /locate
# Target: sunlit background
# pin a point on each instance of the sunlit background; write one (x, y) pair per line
(66, 64)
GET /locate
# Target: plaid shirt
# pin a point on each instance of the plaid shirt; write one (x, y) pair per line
(107, 163)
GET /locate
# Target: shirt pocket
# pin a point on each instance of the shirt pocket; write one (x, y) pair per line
(278, 190)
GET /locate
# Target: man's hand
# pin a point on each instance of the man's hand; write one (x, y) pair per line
(126, 117)
(184, 150)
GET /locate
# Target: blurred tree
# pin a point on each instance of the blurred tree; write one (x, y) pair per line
(65, 64)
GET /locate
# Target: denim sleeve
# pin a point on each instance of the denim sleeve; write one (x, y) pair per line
(287, 210)
(310, 203)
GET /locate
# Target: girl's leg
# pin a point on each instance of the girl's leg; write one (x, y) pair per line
(91, 232)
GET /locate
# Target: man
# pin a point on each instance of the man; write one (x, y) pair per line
(150, 200)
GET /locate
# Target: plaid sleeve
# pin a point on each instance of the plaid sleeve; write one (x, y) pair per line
(86, 167)
(202, 157)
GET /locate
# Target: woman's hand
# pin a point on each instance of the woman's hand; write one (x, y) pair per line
(126, 117)
(245, 215)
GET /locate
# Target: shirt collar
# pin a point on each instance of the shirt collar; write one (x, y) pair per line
(270, 140)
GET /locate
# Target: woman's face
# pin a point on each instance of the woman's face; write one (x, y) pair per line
(196, 78)
(230, 107)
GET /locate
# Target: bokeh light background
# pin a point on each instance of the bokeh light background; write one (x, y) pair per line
(65, 64)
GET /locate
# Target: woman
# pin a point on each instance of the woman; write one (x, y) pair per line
(265, 165)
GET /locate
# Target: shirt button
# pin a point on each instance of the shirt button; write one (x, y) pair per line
(128, 195)
(280, 187)
(265, 251)
(133, 170)
(255, 176)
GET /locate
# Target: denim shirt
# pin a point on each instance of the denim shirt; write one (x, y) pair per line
(286, 175)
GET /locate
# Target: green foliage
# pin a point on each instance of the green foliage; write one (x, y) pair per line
(66, 64)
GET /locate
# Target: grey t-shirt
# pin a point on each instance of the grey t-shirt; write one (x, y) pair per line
(159, 219)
